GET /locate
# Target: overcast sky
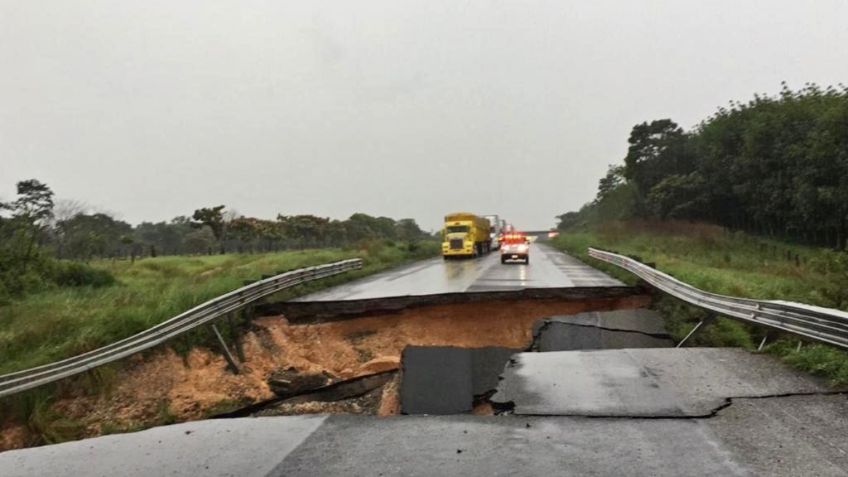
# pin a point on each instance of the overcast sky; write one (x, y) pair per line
(405, 109)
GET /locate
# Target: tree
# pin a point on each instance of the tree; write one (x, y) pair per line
(678, 197)
(85, 236)
(776, 166)
(31, 213)
(199, 240)
(657, 149)
(303, 231)
(610, 182)
(212, 217)
(408, 230)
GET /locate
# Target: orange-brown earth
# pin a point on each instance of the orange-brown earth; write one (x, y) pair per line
(166, 387)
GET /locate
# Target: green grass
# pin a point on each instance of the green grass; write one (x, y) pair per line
(59, 323)
(730, 263)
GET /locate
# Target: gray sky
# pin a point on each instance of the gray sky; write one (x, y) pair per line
(406, 109)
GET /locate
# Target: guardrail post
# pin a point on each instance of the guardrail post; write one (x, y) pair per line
(227, 355)
(235, 337)
(762, 343)
(709, 319)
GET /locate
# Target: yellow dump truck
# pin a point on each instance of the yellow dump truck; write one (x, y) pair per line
(465, 235)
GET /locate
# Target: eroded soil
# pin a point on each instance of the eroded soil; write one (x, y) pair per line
(164, 387)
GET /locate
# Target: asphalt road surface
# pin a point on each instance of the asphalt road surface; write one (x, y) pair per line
(649, 383)
(789, 427)
(548, 268)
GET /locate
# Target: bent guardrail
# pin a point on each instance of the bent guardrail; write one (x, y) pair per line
(18, 381)
(820, 324)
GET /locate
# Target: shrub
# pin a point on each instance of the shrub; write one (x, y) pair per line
(76, 274)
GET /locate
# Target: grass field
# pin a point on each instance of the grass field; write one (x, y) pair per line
(59, 323)
(731, 263)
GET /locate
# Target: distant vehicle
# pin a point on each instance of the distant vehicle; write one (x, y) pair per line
(465, 235)
(515, 247)
(495, 230)
(553, 233)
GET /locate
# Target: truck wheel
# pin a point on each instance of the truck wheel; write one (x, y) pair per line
(503, 259)
(527, 260)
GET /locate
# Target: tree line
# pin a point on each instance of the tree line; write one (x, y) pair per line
(775, 165)
(42, 242)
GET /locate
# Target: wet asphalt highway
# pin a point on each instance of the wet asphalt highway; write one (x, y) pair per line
(548, 268)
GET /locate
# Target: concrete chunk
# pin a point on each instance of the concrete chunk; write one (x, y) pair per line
(445, 380)
(436, 380)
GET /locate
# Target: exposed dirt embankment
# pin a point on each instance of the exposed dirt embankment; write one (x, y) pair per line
(165, 387)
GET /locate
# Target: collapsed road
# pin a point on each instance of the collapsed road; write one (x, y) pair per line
(652, 411)
(566, 385)
(796, 432)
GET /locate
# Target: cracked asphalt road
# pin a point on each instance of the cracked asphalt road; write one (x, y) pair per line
(780, 436)
(657, 383)
(585, 411)
(754, 433)
(616, 329)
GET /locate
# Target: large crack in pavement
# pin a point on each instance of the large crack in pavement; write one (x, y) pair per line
(547, 324)
(638, 328)
(507, 408)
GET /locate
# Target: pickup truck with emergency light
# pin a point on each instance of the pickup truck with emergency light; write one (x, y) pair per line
(515, 247)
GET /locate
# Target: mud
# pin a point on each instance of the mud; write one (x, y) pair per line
(164, 387)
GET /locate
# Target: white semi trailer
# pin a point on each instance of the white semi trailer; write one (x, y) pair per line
(495, 230)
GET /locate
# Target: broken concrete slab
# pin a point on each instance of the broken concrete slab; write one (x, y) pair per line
(487, 365)
(666, 382)
(445, 379)
(638, 328)
(290, 382)
(436, 380)
(335, 391)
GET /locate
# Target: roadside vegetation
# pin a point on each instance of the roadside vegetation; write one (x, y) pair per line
(752, 203)
(62, 322)
(715, 259)
(105, 288)
(72, 281)
(772, 166)
(47, 243)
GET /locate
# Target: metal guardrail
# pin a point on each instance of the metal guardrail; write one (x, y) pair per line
(820, 324)
(201, 314)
